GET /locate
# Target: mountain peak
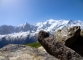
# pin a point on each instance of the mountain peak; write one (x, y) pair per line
(39, 24)
(51, 20)
(24, 24)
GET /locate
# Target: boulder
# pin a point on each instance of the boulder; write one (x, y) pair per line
(68, 34)
(62, 48)
(22, 52)
(72, 37)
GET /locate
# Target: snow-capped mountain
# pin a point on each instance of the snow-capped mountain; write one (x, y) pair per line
(25, 27)
(26, 33)
(51, 25)
(5, 29)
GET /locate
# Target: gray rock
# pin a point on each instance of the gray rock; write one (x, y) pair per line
(72, 37)
(68, 34)
(22, 52)
(57, 48)
(3, 58)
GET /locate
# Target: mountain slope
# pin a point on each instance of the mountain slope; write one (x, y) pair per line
(49, 25)
(27, 33)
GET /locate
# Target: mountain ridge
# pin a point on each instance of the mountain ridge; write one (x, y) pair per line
(48, 25)
(27, 33)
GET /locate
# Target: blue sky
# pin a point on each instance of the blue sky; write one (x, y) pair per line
(16, 12)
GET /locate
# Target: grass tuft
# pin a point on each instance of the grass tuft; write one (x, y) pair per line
(36, 45)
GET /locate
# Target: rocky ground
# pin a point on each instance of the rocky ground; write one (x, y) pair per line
(21, 52)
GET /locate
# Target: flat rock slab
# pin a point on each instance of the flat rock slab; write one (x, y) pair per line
(22, 52)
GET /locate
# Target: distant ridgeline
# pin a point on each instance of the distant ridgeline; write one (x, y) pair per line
(26, 33)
